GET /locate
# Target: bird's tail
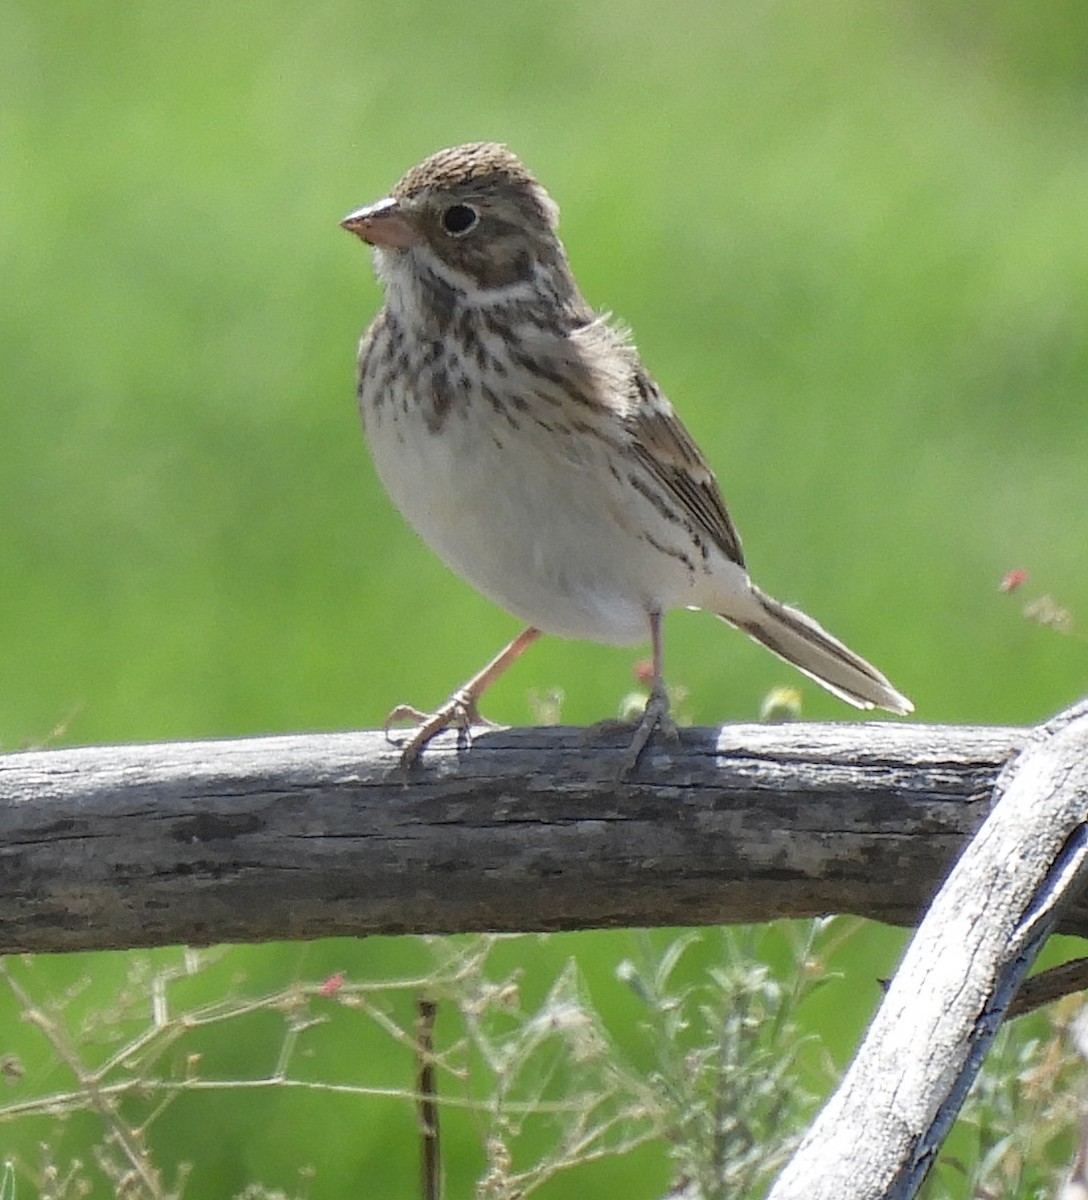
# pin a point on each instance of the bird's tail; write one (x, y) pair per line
(791, 635)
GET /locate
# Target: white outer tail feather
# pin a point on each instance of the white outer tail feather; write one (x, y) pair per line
(799, 640)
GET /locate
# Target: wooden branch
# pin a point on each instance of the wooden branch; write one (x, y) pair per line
(303, 837)
(879, 1133)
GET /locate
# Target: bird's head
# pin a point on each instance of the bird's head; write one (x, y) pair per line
(473, 217)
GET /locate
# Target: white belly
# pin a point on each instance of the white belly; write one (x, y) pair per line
(550, 536)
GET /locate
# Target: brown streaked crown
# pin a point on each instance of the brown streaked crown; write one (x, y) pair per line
(487, 164)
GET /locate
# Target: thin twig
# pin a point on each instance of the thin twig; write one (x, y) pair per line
(430, 1149)
(90, 1084)
(1050, 985)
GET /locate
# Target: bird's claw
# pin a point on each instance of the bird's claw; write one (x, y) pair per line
(459, 712)
(655, 716)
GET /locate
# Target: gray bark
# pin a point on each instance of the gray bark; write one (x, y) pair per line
(304, 837)
(879, 1133)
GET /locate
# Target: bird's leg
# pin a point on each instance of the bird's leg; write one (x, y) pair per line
(656, 713)
(460, 710)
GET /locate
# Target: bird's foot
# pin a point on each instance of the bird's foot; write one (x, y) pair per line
(654, 717)
(459, 712)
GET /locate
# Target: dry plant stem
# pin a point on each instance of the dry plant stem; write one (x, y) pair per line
(878, 1135)
(78, 1101)
(130, 1071)
(461, 711)
(430, 1148)
(577, 1152)
(89, 1085)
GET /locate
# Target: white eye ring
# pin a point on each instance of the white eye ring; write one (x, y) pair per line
(460, 219)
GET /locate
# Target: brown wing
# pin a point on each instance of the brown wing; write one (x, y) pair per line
(668, 451)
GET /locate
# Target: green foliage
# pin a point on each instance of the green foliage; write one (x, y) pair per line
(177, 1076)
(544, 1082)
(727, 1055)
(852, 241)
(537, 1085)
(1025, 1113)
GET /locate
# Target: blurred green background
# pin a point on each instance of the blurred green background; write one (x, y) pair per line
(851, 238)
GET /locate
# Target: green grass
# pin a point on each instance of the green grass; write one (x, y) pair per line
(851, 239)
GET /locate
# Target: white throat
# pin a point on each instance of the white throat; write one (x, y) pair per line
(400, 276)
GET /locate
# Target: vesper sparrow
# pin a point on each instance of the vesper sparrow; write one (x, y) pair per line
(521, 436)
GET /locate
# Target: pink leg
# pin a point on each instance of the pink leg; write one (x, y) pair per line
(460, 709)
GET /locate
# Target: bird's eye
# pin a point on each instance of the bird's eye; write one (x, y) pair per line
(458, 219)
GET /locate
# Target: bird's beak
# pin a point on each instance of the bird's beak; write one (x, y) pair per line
(383, 224)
